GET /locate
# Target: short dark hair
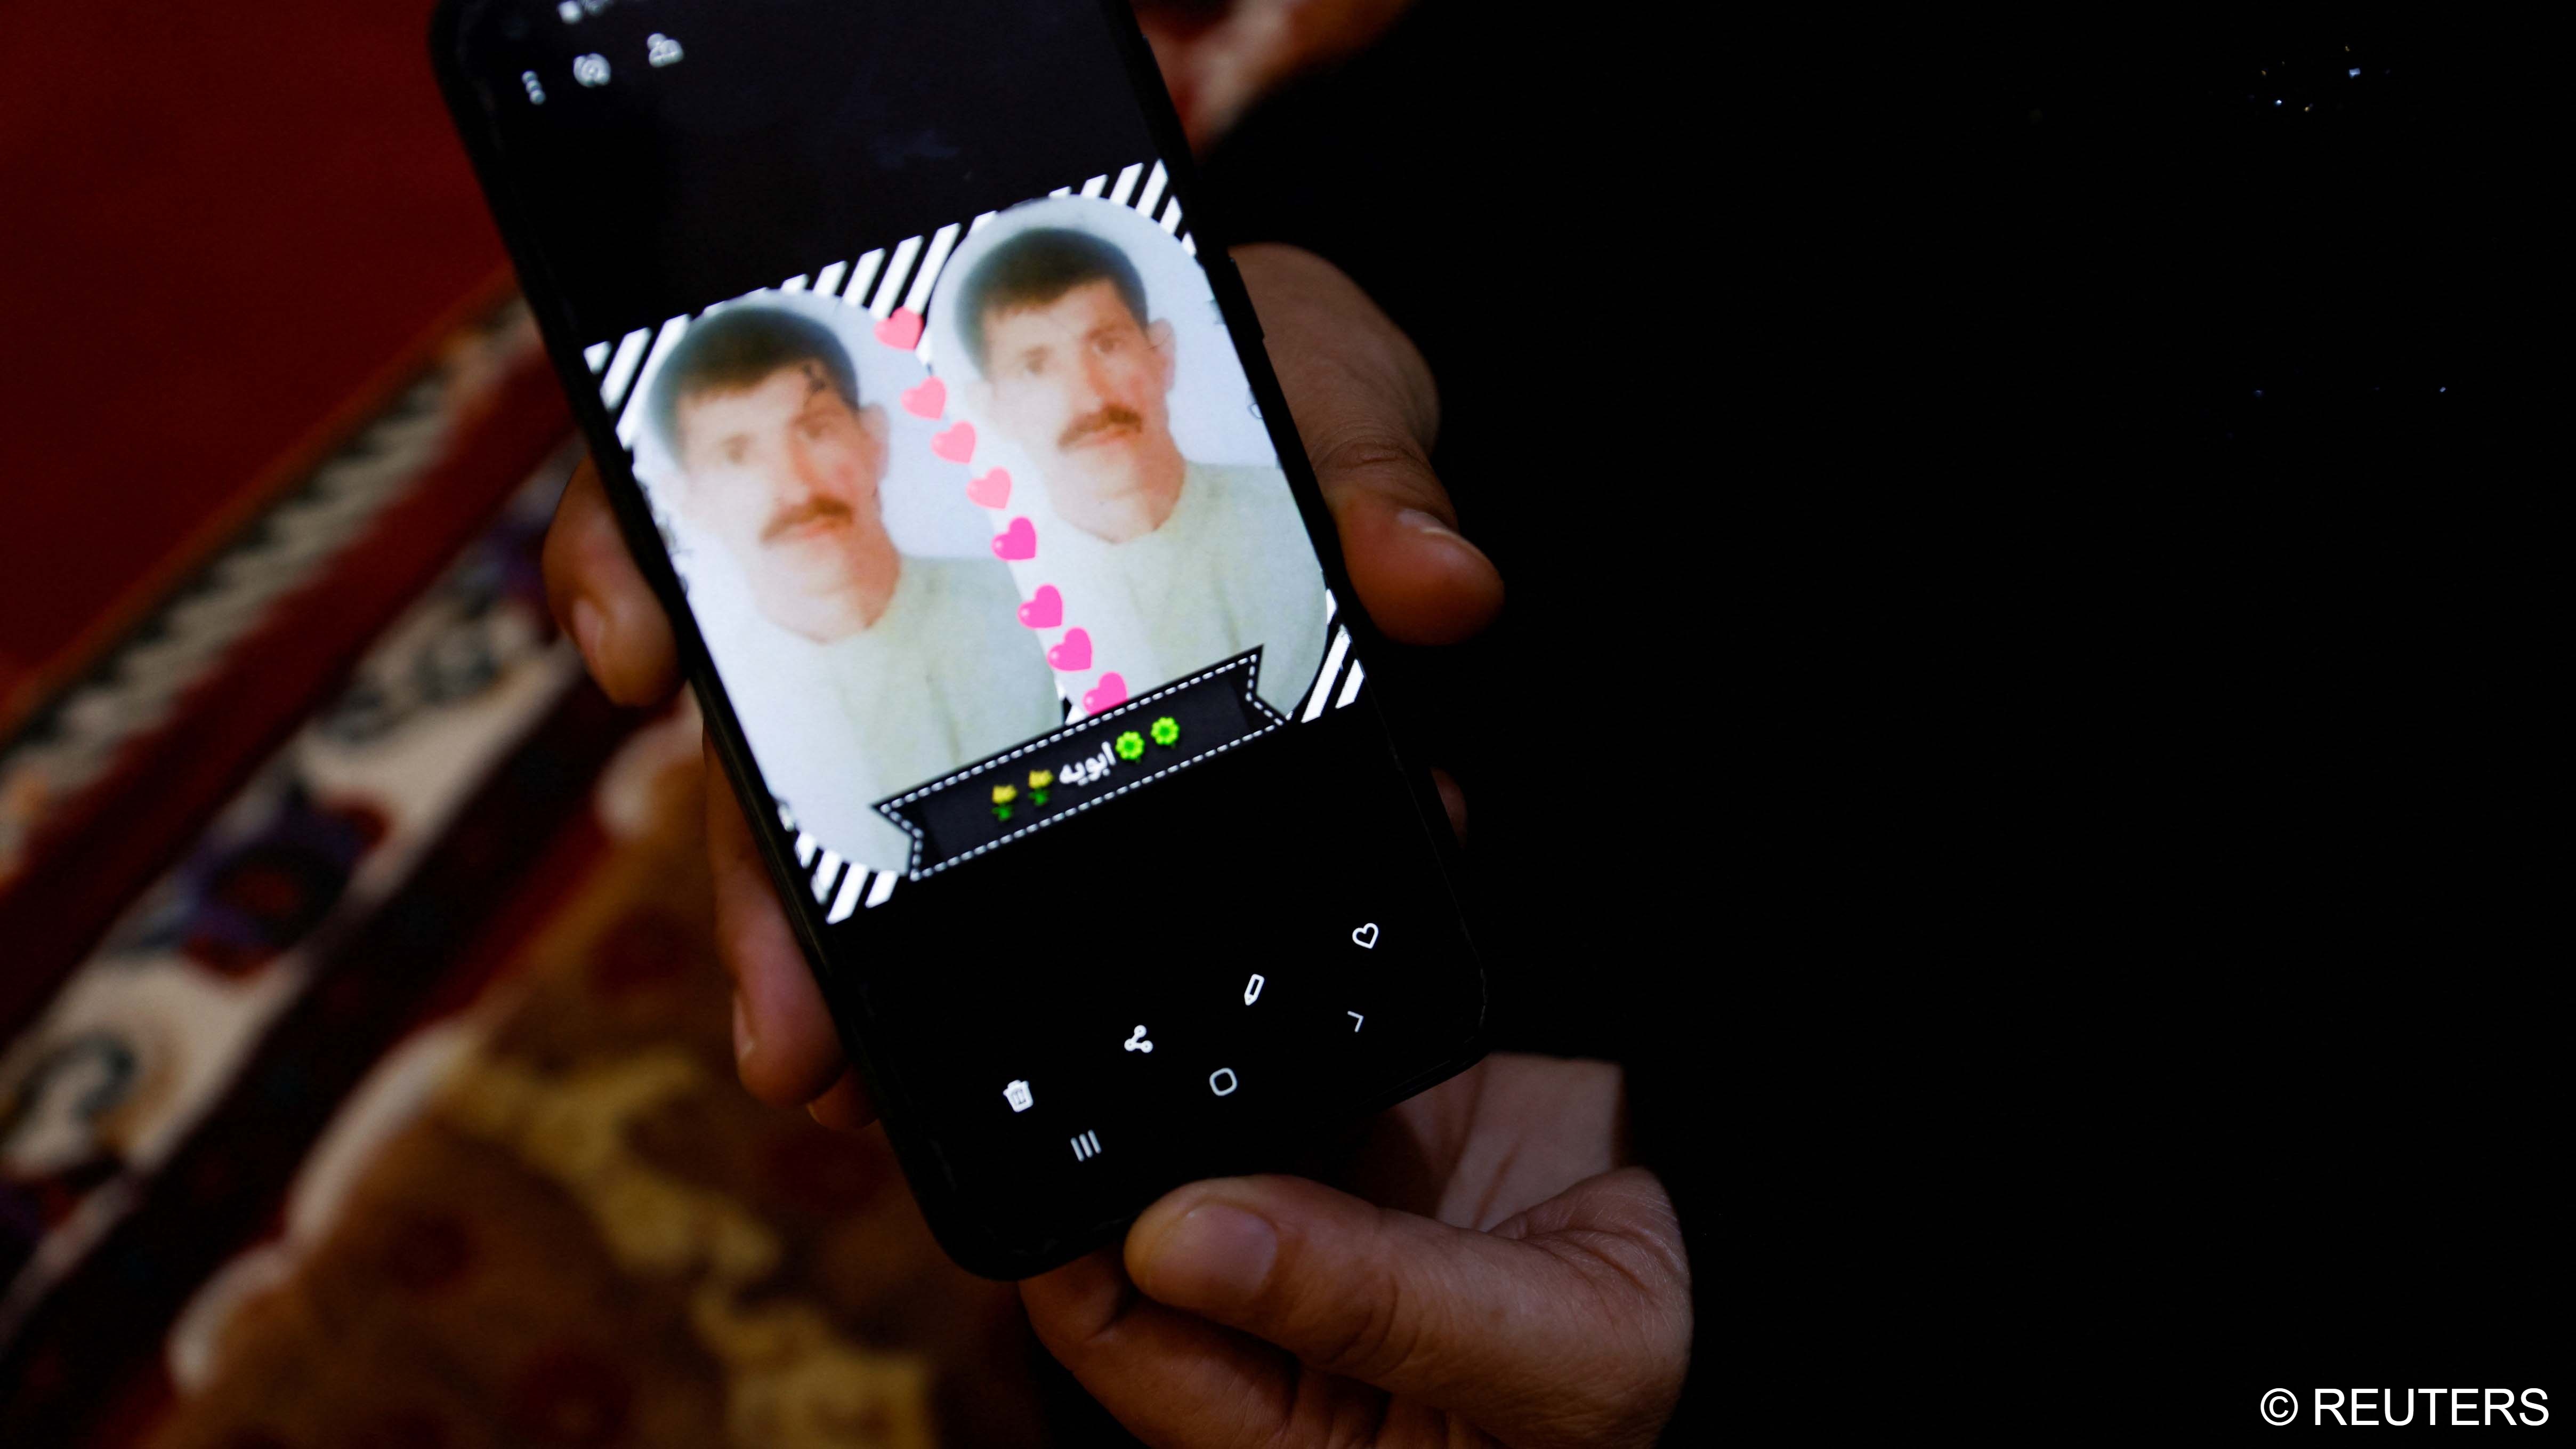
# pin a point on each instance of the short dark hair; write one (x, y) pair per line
(1036, 267)
(739, 348)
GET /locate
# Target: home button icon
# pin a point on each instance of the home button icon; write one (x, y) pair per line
(1221, 1081)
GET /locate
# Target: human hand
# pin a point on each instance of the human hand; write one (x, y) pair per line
(1363, 402)
(1218, 57)
(1524, 1214)
(1518, 1286)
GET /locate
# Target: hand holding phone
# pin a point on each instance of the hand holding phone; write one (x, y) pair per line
(1527, 1138)
(1369, 411)
(934, 416)
(1498, 1277)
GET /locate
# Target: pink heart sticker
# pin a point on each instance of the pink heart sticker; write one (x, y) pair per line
(1044, 610)
(1073, 655)
(993, 490)
(926, 401)
(955, 444)
(1018, 541)
(903, 329)
(1108, 694)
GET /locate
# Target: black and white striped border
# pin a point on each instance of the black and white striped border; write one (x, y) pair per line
(1336, 656)
(838, 885)
(878, 283)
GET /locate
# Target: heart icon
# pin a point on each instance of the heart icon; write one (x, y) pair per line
(1366, 939)
(1044, 610)
(956, 444)
(926, 401)
(1073, 655)
(903, 329)
(1108, 694)
(1018, 541)
(993, 490)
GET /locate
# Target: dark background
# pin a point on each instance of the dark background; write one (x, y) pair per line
(2074, 817)
(854, 112)
(2036, 603)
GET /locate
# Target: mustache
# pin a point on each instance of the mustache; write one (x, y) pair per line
(1112, 416)
(802, 514)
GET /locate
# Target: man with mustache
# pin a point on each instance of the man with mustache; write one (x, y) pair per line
(923, 659)
(1174, 564)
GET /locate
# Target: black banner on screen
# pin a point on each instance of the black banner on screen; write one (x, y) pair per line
(1021, 791)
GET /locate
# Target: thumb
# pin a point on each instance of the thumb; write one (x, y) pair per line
(1568, 1324)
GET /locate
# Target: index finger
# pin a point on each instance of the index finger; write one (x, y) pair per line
(601, 599)
(1365, 405)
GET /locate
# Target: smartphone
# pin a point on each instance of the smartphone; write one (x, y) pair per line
(936, 415)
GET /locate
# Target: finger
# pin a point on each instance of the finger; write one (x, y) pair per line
(1567, 1325)
(1174, 1378)
(784, 1045)
(1170, 1377)
(601, 599)
(1364, 402)
(845, 1106)
(1453, 800)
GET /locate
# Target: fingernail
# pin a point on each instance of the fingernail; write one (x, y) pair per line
(1216, 1256)
(743, 1040)
(1421, 522)
(587, 626)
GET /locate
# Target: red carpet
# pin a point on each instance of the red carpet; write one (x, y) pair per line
(237, 235)
(227, 223)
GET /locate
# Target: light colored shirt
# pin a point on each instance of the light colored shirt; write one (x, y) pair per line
(943, 678)
(1230, 568)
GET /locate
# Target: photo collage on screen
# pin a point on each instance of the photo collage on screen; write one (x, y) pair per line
(982, 529)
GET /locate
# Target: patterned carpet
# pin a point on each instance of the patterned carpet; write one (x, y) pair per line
(405, 1097)
(553, 1218)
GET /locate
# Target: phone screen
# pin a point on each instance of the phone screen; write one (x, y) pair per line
(1002, 564)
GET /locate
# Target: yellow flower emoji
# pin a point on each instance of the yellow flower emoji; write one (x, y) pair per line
(1039, 780)
(1003, 795)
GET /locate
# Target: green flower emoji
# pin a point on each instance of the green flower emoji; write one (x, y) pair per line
(1167, 731)
(1130, 745)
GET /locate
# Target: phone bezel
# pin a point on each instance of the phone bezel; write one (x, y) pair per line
(958, 1232)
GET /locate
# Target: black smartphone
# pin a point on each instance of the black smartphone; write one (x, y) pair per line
(941, 424)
